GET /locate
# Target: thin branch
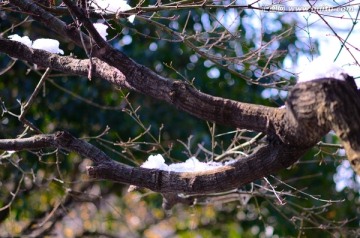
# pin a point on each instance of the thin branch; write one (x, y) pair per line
(25, 107)
(355, 21)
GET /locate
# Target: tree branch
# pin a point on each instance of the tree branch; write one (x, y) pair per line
(316, 104)
(265, 161)
(320, 105)
(312, 109)
(66, 64)
(179, 94)
(143, 80)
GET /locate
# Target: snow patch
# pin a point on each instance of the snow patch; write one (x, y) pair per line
(321, 68)
(112, 6)
(190, 165)
(155, 162)
(25, 39)
(50, 45)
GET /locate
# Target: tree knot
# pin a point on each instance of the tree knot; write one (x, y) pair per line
(177, 89)
(63, 138)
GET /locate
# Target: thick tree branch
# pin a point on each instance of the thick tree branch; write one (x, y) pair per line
(315, 104)
(60, 140)
(323, 104)
(264, 161)
(313, 108)
(66, 64)
(179, 94)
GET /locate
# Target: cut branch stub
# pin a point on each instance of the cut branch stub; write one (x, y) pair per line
(317, 106)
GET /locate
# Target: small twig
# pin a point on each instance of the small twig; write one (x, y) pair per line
(275, 192)
(8, 67)
(338, 37)
(323, 144)
(236, 149)
(26, 106)
(311, 196)
(50, 214)
(85, 100)
(13, 194)
(348, 35)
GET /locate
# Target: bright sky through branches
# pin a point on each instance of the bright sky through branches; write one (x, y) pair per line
(112, 6)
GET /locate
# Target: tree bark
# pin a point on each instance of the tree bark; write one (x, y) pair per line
(324, 104)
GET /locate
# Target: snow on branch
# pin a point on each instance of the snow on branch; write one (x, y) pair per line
(49, 45)
(25, 39)
(322, 68)
(190, 165)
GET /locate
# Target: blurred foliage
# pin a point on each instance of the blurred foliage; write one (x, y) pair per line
(50, 190)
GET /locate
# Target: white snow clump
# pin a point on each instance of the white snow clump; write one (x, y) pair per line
(190, 165)
(25, 39)
(112, 6)
(50, 45)
(321, 68)
(155, 162)
(101, 28)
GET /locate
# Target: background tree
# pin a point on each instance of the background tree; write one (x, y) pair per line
(188, 47)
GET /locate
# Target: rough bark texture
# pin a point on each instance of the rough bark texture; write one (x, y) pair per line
(312, 109)
(324, 104)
